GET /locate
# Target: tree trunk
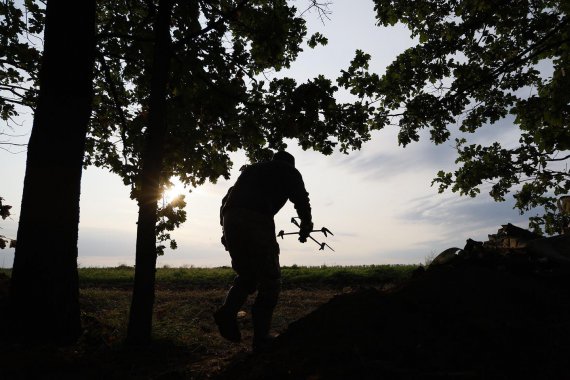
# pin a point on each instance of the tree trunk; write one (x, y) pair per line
(140, 318)
(45, 289)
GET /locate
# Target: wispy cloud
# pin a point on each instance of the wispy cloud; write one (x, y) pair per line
(463, 215)
(385, 161)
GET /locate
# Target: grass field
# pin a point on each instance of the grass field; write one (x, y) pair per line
(187, 342)
(293, 276)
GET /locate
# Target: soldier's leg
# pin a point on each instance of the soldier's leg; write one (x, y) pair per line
(244, 283)
(262, 311)
(226, 315)
(268, 290)
(237, 295)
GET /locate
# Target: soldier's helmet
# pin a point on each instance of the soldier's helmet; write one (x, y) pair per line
(284, 156)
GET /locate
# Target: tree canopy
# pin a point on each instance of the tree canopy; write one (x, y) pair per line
(478, 62)
(216, 99)
(475, 63)
(20, 57)
(217, 102)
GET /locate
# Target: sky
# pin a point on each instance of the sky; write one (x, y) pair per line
(378, 201)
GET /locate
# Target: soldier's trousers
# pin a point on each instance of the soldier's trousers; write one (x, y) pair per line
(253, 247)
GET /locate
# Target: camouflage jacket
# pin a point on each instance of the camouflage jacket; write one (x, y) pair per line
(265, 188)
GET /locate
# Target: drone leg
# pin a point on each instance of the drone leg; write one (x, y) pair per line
(313, 239)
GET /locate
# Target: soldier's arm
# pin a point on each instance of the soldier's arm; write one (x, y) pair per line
(300, 198)
(224, 199)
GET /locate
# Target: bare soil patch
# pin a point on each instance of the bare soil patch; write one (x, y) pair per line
(501, 317)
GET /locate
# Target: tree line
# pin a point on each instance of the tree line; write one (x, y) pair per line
(158, 89)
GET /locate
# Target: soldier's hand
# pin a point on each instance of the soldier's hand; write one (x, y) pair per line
(306, 229)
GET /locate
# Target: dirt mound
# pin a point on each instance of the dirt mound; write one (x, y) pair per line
(499, 318)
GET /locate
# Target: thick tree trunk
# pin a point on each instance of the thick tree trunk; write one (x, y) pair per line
(140, 318)
(45, 289)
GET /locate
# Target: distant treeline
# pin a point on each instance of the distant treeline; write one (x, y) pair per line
(293, 276)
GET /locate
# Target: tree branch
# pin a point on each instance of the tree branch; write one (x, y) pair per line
(12, 91)
(14, 64)
(559, 159)
(108, 35)
(211, 25)
(15, 101)
(137, 63)
(11, 144)
(517, 59)
(322, 9)
(118, 107)
(4, 86)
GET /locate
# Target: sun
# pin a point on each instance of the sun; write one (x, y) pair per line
(174, 191)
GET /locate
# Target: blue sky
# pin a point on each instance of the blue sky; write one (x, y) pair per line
(377, 201)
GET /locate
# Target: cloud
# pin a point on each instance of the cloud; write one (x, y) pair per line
(504, 131)
(462, 216)
(382, 158)
(387, 160)
(6, 257)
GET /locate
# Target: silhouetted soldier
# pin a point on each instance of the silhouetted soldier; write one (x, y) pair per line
(246, 215)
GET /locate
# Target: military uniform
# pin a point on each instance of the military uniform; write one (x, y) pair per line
(246, 215)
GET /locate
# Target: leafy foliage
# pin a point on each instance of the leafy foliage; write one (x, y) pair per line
(170, 216)
(216, 102)
(317, 39)
(4, 209)
(478, 62)
(5, 213)
(19, 57)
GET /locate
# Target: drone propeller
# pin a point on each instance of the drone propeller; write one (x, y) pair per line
(324, 230)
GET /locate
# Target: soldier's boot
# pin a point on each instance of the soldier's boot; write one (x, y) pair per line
(262, 317)
(226, 316)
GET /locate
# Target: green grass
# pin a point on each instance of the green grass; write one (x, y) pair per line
(339, 276)
(293, 276)
(123, 276)
(186, 339)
